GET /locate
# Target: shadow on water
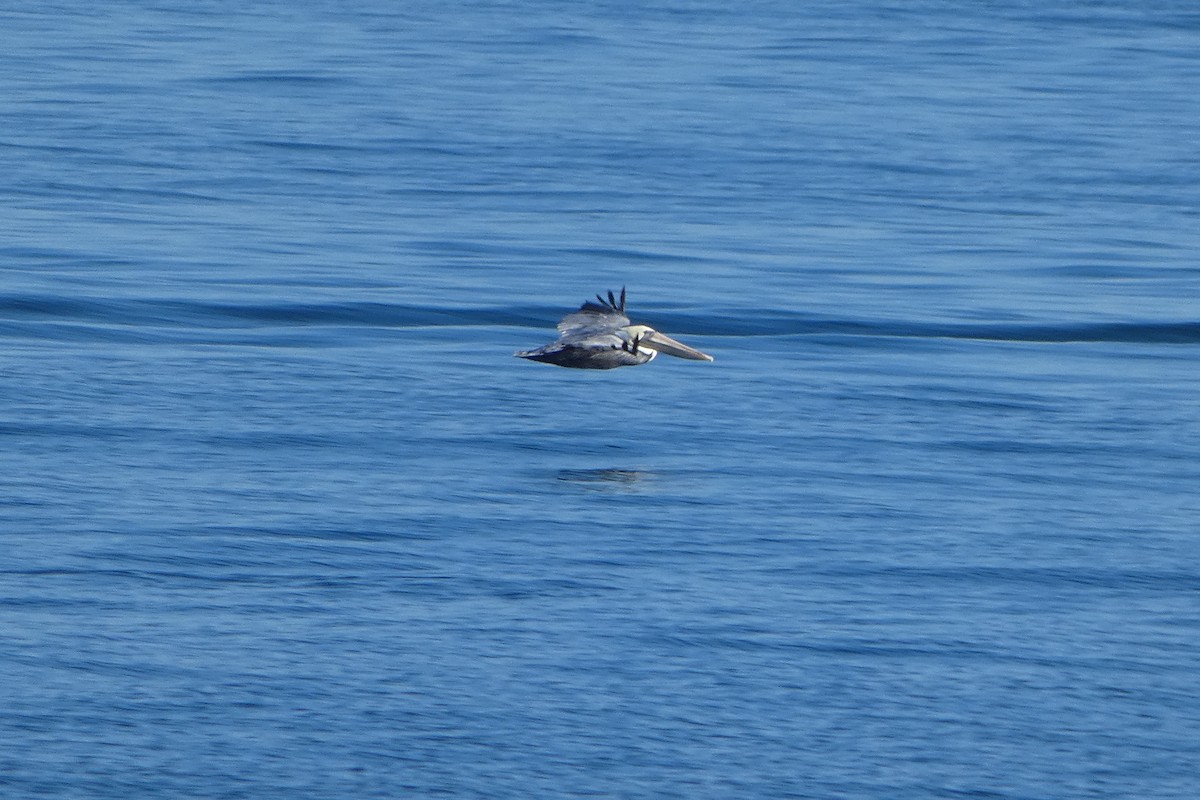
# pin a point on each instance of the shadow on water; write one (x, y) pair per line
(605, 479)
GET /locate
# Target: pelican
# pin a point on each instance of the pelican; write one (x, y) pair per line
(600, 336)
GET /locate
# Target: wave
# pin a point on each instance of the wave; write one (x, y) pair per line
(1141, 332)
(26, 314)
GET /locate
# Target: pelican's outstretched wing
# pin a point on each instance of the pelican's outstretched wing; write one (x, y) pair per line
(591, 319)
(593, 349)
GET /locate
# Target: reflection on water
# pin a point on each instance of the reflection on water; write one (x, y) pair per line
(604, 478)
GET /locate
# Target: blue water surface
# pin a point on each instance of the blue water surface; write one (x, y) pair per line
(281, 517)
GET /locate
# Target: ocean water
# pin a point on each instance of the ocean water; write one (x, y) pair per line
(281, 517)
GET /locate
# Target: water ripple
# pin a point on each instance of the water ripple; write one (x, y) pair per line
(28, 316)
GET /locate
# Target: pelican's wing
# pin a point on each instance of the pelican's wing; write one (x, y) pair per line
(595, 318)
(590, 351)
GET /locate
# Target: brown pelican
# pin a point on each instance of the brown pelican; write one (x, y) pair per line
(600, 336)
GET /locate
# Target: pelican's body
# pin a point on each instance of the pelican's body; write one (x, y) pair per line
(600, 336)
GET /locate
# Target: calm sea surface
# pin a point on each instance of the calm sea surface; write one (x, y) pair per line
(281, 517)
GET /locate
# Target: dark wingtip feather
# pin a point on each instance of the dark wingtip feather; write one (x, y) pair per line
(612, 303)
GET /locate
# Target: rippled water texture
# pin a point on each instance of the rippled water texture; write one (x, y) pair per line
(282, 517)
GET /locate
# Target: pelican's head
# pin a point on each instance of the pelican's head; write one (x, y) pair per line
(650, 339)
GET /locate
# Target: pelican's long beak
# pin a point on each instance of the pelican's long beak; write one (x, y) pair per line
(665, 344)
